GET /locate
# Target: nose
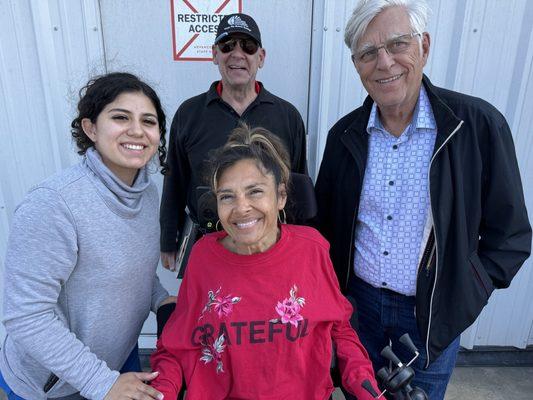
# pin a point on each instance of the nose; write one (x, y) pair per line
(136, 128)
(242, 205)
(237, 50)
(384, 59)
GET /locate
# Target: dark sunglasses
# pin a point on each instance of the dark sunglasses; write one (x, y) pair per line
(249, 46)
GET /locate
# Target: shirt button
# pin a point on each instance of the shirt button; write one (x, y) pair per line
(383, 283)
(395, 147)
(389, 217)
(391, 183)
(385, 253)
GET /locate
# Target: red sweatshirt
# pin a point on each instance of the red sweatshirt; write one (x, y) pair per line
(260, 326)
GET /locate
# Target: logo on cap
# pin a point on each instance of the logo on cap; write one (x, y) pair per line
(237, 22)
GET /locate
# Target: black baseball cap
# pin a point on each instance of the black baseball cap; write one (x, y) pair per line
(238, 23)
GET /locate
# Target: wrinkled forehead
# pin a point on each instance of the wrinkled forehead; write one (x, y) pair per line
(388, 24)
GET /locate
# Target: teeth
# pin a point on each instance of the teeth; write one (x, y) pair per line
(390, 79)
(133, 146)
(246, 224)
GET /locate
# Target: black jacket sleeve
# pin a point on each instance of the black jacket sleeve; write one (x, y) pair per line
(323, 191)
(176, 182)
(299, 147)
(505, 232)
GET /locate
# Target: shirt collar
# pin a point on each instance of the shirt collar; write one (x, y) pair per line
(263, 95)
(423, 115)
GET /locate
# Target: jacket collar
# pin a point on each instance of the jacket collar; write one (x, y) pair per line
(445, 118)
(264, 96)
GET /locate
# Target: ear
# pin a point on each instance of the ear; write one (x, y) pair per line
(214, 52)
(262, 56)
(282, 196)
(426, 42)
(89, 129)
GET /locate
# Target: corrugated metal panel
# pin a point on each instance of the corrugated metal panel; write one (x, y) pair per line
(482, 48)
(49, 48)
(145, 49)
(46, 51)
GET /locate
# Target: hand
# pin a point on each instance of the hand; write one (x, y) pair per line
(168, 300)
(168, 259)
(131, 386)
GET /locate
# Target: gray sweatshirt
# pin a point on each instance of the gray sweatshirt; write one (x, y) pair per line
(79, 280)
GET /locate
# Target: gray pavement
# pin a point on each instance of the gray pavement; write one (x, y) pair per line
(486, 383)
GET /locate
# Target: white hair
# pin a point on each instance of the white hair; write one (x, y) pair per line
(366, 10)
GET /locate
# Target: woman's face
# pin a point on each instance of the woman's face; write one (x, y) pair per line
(248, 204)
(126, 134)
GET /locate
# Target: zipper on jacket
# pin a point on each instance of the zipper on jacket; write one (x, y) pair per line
(429, 251)
(352, 245)
(430, 260)
(436, 241)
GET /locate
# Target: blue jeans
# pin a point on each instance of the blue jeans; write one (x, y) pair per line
(132, 364)
(384, 316)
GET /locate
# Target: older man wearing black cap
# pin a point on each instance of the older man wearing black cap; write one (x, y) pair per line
(203, 123)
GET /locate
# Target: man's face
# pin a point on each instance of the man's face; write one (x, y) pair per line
(237, 68)
(393, 80)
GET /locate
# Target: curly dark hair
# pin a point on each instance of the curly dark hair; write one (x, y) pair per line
(104, 89)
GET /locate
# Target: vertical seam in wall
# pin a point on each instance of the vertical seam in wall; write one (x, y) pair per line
(102, 35)
(519, 63)
(309, 70)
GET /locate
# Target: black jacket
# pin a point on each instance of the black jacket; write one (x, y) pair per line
(203, 123)
(480, 222)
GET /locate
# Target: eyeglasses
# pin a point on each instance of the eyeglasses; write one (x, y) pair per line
(397, 45)
(249, 46)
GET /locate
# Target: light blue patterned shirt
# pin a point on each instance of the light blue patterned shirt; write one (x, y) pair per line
(394, 201)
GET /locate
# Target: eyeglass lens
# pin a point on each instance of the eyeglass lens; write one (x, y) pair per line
(249, 46)
(392, 46)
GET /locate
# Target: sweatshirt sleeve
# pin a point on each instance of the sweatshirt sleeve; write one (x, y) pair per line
(159, 293)
(41, 254)
(354, 363)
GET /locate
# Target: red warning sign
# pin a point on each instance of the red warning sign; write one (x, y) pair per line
(194, 26)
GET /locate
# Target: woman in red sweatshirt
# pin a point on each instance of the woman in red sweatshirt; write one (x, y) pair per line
(259, 310)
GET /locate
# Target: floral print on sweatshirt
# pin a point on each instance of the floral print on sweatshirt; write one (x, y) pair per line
(289, 308)
(222, 305)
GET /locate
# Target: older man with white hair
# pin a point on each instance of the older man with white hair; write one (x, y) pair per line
(420, 196)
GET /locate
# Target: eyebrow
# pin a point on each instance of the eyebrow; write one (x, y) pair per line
(253, 185)
(129, 112)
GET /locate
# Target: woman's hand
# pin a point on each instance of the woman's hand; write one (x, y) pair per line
(168, 259)
(131, 386)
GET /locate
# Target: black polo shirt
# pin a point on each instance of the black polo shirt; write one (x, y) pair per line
(203, 123)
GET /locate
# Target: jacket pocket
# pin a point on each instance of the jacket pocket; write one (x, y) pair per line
(481, 275)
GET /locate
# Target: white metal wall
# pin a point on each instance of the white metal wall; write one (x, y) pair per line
(48, 49)
(479, 47)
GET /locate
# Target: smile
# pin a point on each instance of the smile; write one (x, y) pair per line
(244, 225)
(396, 77)
(131, 146)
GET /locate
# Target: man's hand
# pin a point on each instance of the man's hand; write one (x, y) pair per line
(131, 386)
(168, 259)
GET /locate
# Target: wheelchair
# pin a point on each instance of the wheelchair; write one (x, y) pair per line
(301, 208)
